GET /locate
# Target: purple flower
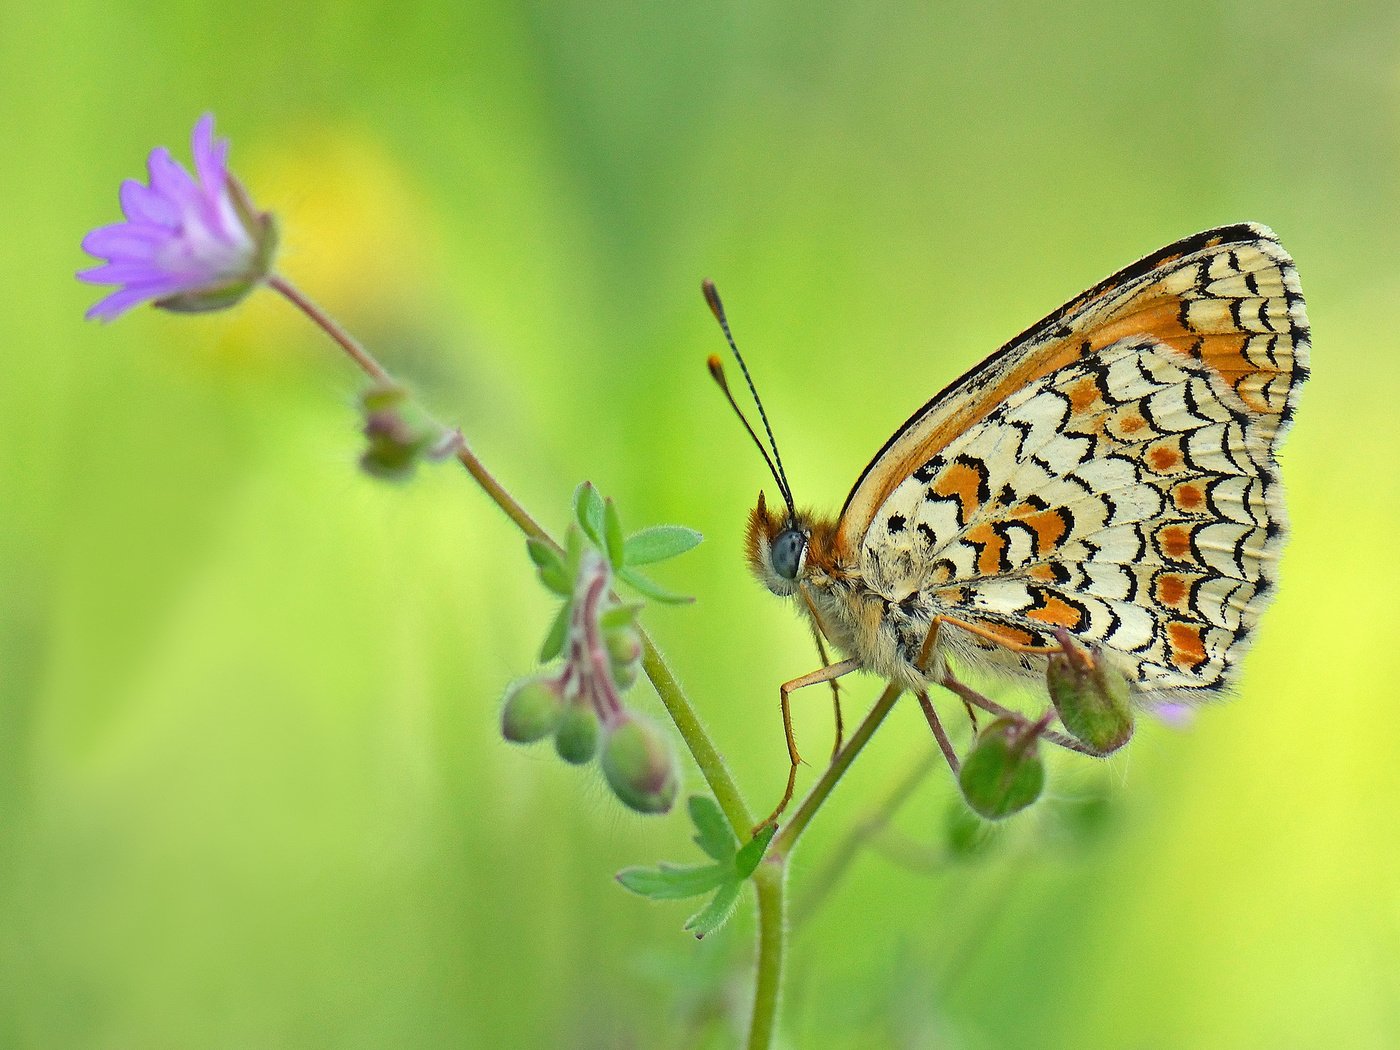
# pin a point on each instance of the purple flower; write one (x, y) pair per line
(188, 244)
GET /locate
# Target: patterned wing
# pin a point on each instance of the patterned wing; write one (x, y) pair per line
(1116, 478)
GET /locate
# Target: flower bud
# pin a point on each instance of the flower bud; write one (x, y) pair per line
(1003, 774)
(532, 710)
(1091, 698)
(625, 653)
(639, 767)
(576, 739)
(398, 434)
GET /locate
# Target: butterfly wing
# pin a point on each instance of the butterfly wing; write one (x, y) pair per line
(1110, 471)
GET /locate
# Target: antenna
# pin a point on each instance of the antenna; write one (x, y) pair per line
(775, 463)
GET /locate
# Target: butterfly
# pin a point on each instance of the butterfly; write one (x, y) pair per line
(1110, 473)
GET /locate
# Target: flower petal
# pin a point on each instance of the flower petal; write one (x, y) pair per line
(170, 179)
(140, 203)
(125, 241)
(124, 272)
(209, 155)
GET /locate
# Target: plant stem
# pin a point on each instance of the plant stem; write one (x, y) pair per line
(712, 766)
(770, 885)
(787, 837)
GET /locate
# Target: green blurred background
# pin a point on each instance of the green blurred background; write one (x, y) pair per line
(252, 792)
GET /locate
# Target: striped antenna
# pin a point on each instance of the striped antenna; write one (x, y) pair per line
(775, 463)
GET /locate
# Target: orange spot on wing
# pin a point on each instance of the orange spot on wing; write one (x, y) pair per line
(1082, 395)
(1058, 613)
(1188, 496)
(1170, 590)
(1187, 645)
(1050, 529)
(1163, 458)
(1041, 572)
(990, 546)
(964, 483)
(1131, 424)
(1174, 540)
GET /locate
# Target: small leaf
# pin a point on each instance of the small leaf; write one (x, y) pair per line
(651, 589)
(715, 836)
(551, 567)
(667, 882)
(658, 543)
(558, 631)
(612, 533)
(573, 549)
(746, 860)
(588, 509)
(624, 615)
(715, 914)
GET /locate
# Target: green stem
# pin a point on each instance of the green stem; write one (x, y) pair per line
(712, 766)
(687, 722)
(786, 839)
(770, 885)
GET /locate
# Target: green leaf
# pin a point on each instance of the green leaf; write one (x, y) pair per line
(746, 860)
(624, 615)
(651, 589)
(715, 914)
(658, 543)
(573, 549)
(551, 567)
(558, 631)
(715, 836)
(666, 882)
(588, 509)
(612, 533)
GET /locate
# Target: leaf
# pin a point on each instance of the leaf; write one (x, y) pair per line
(573, 549)
(588, 509)
(612, 533)
(624, 615)
(667, 882)
(715, 836)
(658, 543)
(715, 914)
(558, 631)
(746, 860)
(651, 589)
(551, 567)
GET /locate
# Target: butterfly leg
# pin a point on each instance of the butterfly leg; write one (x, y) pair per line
(944, 744)
(824, 674)
(835, 692)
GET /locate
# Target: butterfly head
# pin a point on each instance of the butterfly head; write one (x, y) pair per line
(779, 542)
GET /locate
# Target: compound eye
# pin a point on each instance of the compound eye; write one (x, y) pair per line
(787, 551)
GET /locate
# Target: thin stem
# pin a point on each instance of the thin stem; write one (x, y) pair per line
(787, 838)
(702, 749)
(770, 885)
(712, 767)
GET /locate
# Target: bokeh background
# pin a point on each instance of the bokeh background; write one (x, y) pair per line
(252, 792)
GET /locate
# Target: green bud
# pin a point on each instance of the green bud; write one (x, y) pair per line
(625, 652)
(576, 740)
(1091, 697)
(1003, 774)
(398, 434)
(639, 767)
(532, 710)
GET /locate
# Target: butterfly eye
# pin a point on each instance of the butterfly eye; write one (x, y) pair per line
(787, 550)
